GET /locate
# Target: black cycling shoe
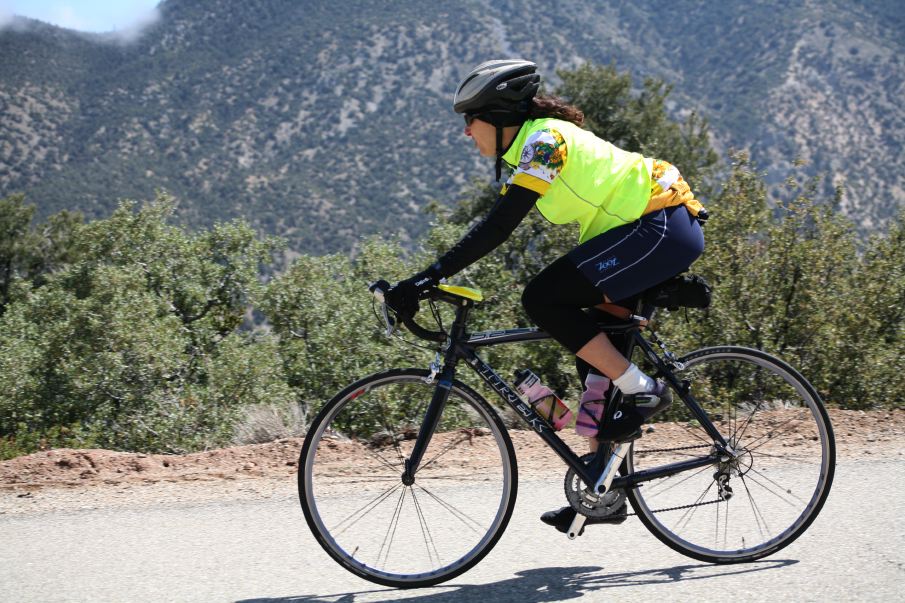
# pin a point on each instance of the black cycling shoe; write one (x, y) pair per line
(634, 411)
(562, 518)
(653, 403)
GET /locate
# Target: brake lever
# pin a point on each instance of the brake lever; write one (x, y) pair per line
(375, 288)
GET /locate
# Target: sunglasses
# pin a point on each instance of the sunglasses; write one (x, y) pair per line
(469, 118)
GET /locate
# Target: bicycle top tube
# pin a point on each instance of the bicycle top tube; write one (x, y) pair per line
(464, 298)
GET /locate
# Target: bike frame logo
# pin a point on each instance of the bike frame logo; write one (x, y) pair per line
(500, 387)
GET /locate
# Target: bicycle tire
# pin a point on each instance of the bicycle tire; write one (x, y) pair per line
(782, 472)
(342, 449)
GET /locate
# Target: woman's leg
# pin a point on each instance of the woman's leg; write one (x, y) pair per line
(617, 264)
(600, 353)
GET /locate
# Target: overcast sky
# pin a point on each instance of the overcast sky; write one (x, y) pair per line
(83, 15)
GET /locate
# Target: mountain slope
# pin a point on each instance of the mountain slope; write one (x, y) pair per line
(323, 122)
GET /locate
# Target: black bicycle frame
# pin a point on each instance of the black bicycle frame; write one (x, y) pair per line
(460, 346)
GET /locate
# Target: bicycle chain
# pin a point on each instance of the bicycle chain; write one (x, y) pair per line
(679, 508)
(672, 449)
(667, 509)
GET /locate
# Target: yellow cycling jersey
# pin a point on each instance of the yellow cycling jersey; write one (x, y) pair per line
(582, 178)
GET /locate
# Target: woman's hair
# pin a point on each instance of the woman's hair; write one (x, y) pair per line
(553, 106)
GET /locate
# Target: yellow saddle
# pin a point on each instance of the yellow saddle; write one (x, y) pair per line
(466, 292)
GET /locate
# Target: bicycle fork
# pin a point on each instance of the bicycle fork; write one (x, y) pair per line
(429, 424)
(602, 486)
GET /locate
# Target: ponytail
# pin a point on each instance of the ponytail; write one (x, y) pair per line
(553, 106)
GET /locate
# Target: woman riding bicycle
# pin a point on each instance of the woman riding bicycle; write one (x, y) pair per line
(639, 226)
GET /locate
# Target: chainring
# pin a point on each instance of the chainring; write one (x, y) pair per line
(589, 503)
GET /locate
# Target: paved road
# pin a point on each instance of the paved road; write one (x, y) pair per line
(263, 552)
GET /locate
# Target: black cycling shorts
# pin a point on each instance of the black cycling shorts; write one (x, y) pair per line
(629, 259)
(619, 263)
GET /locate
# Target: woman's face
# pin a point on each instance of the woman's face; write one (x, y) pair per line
(484, 136)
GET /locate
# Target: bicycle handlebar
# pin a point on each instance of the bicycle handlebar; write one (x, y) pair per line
(378, 289)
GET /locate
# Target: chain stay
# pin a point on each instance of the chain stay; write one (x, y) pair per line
(701, 504)
(679, 508)
(672, 449)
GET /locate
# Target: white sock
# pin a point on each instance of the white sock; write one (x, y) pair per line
(634, 381)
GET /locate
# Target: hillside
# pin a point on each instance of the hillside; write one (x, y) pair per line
(322, 124)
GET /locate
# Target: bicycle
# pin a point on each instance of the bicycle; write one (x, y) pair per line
(408, 477)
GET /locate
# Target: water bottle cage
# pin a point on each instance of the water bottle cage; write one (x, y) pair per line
(551, 414)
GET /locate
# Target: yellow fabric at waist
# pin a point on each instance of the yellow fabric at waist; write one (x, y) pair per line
(677, 192)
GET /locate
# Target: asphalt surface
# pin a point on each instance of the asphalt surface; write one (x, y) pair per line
(263, 552)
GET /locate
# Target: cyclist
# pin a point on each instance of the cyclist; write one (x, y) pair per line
(638, 226)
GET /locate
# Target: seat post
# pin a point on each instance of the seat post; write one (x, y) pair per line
(457, 331)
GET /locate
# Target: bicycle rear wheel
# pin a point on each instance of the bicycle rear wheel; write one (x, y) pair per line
(393, 533)
(759, 499)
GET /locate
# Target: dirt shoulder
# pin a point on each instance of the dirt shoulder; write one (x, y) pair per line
(83, 479)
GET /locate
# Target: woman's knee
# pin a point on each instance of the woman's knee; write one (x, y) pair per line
(533, 299)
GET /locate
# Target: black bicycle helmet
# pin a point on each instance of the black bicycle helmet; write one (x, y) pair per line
(500, 93)
(502, 86)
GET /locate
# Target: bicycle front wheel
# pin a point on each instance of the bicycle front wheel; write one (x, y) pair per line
(380, 527)
(764, 494)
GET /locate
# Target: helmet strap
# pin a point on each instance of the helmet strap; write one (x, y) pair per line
(499, 152)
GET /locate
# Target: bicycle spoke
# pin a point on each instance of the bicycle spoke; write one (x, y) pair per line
(759, 518)
(780, 496)
(689, 513)
(770, 435)
(449, 447)
(390, 431)
(726, 524)
(660, 491)
(738, 438)
(391, 530)
(697, 435)
(374, 477)
(461, 516)
(370, 506)
(788, 457)
(460, 477)
(425, 529)
(716, 527)
(382, 460)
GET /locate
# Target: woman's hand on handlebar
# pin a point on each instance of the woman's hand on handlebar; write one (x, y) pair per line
(383, 292)
(403, 296)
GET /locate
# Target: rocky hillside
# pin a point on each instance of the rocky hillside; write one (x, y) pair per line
(322, 121)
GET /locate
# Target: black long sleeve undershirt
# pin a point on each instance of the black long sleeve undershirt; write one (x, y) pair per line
(506, 214)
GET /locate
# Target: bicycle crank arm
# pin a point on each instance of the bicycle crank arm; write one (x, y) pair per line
(606, 478)
(577, 526)
(601, 487)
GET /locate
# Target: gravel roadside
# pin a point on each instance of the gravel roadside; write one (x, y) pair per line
(73, 480)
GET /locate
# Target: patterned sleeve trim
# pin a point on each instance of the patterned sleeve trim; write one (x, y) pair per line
(543, 158)
(532, 183)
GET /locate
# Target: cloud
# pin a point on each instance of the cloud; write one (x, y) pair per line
(65, 16)
(118, 23)
(6, 17)
(139, 23)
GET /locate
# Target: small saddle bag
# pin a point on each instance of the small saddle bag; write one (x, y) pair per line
(683, 291)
